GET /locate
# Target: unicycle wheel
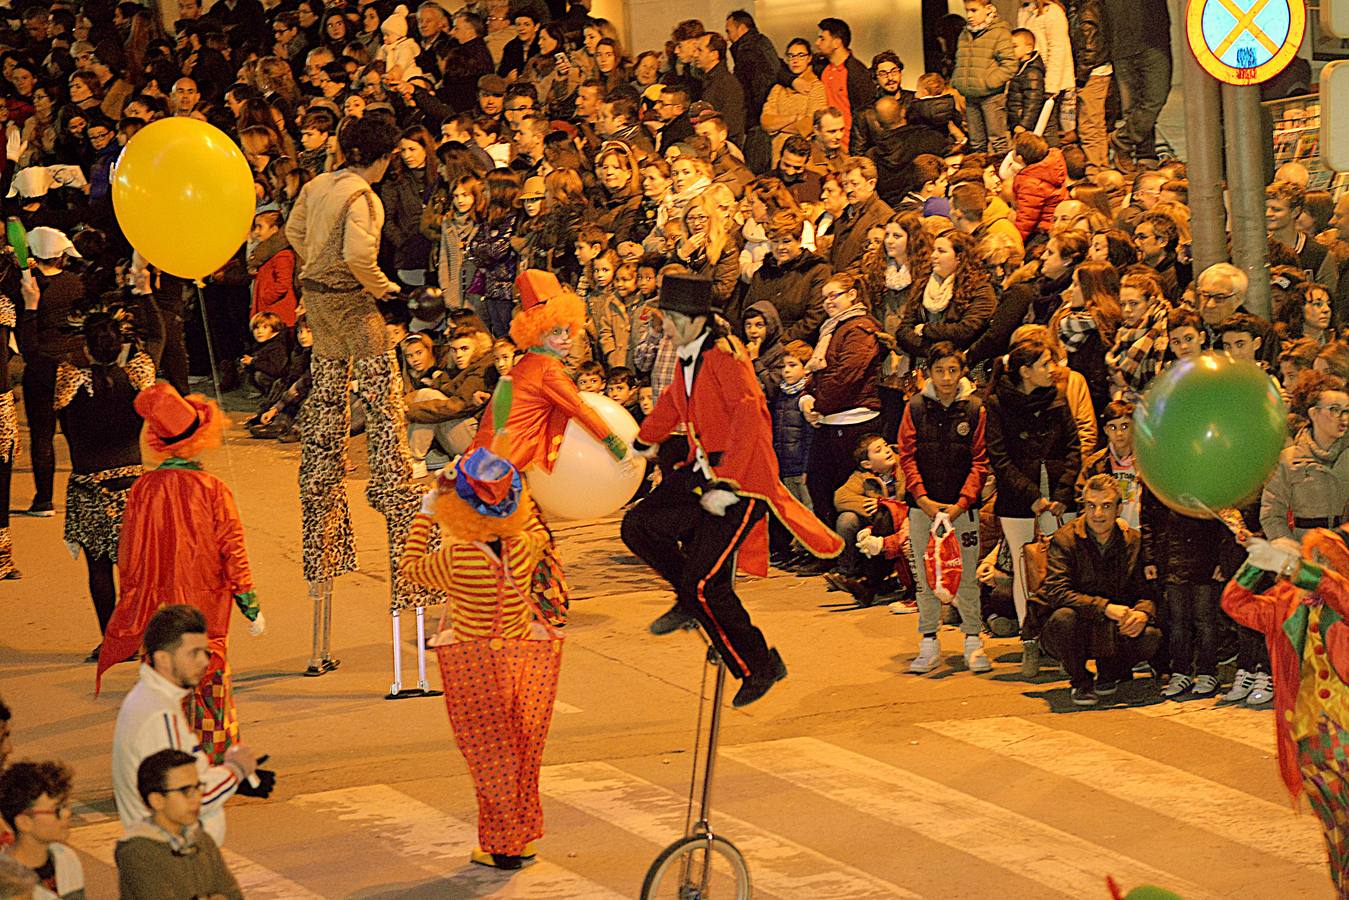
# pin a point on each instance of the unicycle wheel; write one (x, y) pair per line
(701, 867)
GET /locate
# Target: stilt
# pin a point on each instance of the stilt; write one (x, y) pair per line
(397, 691)
(421, 654)
(321, 661)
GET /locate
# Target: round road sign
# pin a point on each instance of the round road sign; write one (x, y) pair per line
(1245, 41)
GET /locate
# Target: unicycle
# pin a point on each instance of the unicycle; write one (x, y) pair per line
(701, 865)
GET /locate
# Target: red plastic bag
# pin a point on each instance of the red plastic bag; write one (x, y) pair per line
(941, 560)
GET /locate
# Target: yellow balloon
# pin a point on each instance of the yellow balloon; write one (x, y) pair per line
(183, 194)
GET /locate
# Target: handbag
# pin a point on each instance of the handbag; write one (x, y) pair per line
(1035, 561)
(941, 559)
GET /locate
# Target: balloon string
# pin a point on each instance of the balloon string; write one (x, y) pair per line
(215, 378)
(1195, 501)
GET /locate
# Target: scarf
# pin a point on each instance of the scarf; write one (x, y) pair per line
(816, 361)
(897, 278)
(1075, 328)
(937, 294)
(793, 389)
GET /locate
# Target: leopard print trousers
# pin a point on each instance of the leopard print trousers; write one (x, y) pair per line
(325, 421)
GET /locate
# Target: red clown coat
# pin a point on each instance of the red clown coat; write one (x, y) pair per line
(182, 542)
(727, 418)
(543, 401)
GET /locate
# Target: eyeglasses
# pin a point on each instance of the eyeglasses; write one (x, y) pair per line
(829, 298)
(526, 108)
(187, 790)
(58, 811)
(799, 55)
(1216, 295)
(888, 71)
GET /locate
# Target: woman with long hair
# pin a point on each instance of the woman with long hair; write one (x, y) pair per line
(40, 132)
(901, 265)
(552, 72)
(1310, 315)
(1035, 454)
(953, 305)
(708, 248)
(339, 29)
(260, 145)
(404, 191)
(1086, 325)
(491, 249)
(790, 109)
(610, 67)
(1113, 246)
(145, 28)
(454, 268)
(275, 77)
(765, 197)
(85, 91)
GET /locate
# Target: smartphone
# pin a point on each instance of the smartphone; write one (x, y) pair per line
(561, 58)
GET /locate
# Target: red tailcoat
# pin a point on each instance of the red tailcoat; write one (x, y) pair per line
(182, 542)
(544, 400)
(728, 418)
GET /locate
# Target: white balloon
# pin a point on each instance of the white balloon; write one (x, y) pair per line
(586, 481)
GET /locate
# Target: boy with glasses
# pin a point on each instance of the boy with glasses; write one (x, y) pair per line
(35, 804)
(169, 856)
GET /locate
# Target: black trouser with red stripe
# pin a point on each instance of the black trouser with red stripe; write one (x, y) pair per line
(695, 551)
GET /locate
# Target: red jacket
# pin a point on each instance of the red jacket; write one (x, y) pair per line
(182, 542)
(274, 287)
(544, 400)
(1281, 614)
(1038, 189)
(727, 417)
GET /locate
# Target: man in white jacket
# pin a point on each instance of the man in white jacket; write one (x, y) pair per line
(152, 719)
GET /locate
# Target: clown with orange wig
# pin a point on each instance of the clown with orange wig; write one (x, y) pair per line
(499, 657)
(542, 399)
(182, 542)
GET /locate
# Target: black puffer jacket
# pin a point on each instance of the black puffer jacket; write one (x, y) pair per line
(797, 290)
(1024, 431)
(1026, 93)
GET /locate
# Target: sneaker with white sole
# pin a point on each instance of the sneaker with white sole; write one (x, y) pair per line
(1030, 659)
(1262, 691)
(976, 660)
(928, 658)
(1242, 684)
(1206, 685)
(1178, 685)
(904, 607)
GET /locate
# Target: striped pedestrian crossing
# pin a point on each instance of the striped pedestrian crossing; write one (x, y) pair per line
(775, 797)
(1199, 802)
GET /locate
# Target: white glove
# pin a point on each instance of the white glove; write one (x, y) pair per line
(258, 626)
(717, 501)
(428, 507)
(869, 544)
(14, 144)
(1270, 557)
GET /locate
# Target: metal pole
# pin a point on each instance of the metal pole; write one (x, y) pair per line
(1204, 164)
(1246, 186)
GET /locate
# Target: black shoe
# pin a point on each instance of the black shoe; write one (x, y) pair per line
(289, 436)
(861, 590)
(1084, 696)
(40, 510)
(503, 861)
(93, 654)
(755, 686)
(322, 668)
(672, 620)
(813, 566)
(270, 431)
(1106, 686)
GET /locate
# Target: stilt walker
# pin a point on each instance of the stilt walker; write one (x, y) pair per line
(692, 528)
(182, 542)
(1300, 601)
(9, 439)
(335, 227)
(541, 399)
(499, 658)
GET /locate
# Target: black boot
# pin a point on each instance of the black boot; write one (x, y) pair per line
(758, 683)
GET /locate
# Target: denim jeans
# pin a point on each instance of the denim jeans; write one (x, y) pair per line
(1144, 84)
(1192, 615)
(987, 118)
(847, 525)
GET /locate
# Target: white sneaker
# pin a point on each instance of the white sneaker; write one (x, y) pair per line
(1241, 687)
(419, 470)
(1205, 685)
(976, 660)
(1179, 684)
(1262, 691)
(928, 658)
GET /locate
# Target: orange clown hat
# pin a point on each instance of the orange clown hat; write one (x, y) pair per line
(544, 305)
(176, 425)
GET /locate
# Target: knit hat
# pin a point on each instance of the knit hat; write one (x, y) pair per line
(397, 23)
(689, 295)
(172, 421)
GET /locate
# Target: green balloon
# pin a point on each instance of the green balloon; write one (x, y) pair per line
(1208, 432)
(1151, 892)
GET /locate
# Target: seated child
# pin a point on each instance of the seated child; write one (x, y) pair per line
(1040, 186)
(620, 386)
(278, 420)
(267, 357)
(861, 503)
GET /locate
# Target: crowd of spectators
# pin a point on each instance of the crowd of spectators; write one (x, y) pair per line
(952, 295)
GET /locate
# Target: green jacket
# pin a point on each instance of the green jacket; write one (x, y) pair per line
(153, 865)
(985, 62)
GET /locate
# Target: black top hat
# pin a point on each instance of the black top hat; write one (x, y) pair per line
(690, 295)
